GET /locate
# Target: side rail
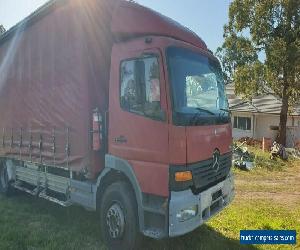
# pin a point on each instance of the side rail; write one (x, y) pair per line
(46, 182)
(57, 185)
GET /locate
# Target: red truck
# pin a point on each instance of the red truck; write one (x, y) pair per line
(114, 107)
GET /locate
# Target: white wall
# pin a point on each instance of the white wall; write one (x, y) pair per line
(293, 131)
(293, 135)
(263, 123)
(260, 127)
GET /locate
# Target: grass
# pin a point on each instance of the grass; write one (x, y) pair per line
(26, 223)
(29, 223)
(264, 200)
(257, 214)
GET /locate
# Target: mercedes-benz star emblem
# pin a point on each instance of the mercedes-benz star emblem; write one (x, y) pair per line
(216, 160)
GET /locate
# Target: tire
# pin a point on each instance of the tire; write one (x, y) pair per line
(119, 218)
(5, 187)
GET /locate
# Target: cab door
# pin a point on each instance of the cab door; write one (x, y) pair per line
(138, 122)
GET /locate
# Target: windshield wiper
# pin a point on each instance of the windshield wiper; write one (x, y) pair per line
(196, 115)
(205, 110)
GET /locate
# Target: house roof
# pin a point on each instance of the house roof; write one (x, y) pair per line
(268, 104)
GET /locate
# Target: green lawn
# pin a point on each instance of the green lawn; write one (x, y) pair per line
(264, 200)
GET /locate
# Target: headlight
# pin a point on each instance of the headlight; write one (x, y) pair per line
(187, 213)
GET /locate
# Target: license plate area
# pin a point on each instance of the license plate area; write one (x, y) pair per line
(216, 195)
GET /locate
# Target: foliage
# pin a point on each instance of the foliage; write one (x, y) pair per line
(2, 29)
(263, 162)
(269, 30)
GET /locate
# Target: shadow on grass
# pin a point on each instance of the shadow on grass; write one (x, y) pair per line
(41, 224)
(204, 238)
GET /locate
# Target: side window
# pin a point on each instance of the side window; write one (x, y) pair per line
(140, 87)
(243, 123)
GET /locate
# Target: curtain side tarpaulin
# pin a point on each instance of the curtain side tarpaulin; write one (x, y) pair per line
(52, 75)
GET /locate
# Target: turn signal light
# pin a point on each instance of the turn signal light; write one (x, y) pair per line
(183, 176)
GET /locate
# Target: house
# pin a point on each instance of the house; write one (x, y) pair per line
(260, 117)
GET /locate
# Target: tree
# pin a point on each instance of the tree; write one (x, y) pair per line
(2, 29)
(268, 29)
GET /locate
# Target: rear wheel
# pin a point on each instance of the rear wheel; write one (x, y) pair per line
(5, 187)
(119, 218)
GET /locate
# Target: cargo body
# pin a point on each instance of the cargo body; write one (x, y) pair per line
(52, 77)
(114, 107)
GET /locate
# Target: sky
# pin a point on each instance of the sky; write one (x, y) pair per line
(205, 17)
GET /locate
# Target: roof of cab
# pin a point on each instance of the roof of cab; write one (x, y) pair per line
(131, 19)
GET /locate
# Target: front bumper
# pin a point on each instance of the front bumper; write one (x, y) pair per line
(209, 202)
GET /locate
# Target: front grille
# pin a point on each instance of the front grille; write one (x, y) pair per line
(204, 176)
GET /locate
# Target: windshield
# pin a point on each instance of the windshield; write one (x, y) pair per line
(197, 87)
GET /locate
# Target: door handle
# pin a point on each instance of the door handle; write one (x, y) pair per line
(121, 139)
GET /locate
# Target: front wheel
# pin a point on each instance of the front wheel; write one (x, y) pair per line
(119, 218)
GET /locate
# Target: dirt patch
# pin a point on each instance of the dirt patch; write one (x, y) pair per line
(280, 187)
(290, 200)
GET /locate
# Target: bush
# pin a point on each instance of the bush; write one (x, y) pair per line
(262, 161)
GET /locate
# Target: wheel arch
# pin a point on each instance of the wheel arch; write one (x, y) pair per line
(117, 169)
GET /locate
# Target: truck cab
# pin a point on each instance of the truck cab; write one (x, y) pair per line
(169, 120)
